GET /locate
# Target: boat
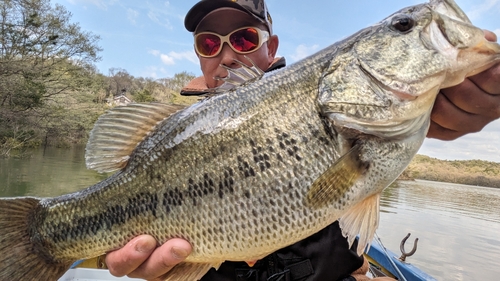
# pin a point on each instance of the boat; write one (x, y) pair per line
(92, 274)
(383, 262)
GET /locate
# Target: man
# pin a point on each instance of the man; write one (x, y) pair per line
(324, 256)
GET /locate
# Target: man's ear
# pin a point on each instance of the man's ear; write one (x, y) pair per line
(272, 47)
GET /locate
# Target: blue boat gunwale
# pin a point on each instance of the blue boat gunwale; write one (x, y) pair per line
(383, 257)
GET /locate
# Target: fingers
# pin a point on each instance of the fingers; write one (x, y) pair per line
(489, 80)
(453, 118)
(476, 95)
(446, 119)
(490, 36)
(436, 131)
(467, 107)
(123, 261)
(141, 259)
(163, 260)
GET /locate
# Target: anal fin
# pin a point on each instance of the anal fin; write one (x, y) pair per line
(361, 219)
(187, 271)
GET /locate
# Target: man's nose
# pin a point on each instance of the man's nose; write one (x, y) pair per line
(228, 56)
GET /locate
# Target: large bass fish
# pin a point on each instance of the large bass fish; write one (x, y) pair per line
(254, 169)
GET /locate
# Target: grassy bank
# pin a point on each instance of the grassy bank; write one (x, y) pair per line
(470, 172)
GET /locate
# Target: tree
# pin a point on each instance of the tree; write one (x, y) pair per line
(142, 89)
(120, 81)
(178, 81)
(42, 55)
(174, 86)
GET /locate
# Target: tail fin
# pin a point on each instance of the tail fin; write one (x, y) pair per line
(19, 259)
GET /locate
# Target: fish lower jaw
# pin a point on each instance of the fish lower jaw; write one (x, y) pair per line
(387, 129)
(404, 96)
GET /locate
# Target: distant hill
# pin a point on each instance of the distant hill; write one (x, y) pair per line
(471, 172)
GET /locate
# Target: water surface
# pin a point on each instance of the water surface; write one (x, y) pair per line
(47, 172)
(458, 227)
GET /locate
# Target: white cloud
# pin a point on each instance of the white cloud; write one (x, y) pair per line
(187, 55)
(303, 51)
(154, 52)
(173, 57)
(102, 4)
(166, 59)
(482, 145)
(154, 72)
(132, 15)
(482, 8)
(160, 19)
(497, 32)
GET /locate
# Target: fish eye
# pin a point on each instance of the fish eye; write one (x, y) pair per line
(403, 24)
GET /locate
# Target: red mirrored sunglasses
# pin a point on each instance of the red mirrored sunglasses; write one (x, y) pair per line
(242, 40)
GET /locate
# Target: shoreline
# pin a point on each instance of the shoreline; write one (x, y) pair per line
(466, 172)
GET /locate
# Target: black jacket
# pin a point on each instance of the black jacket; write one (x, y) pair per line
(322, 256)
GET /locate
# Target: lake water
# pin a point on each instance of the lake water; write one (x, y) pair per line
(458, 226)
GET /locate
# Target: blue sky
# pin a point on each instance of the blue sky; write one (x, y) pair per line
(148, 39)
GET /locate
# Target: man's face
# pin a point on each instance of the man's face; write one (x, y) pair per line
(223, 22)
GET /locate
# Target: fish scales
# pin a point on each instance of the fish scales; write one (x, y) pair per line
(215, 178)
(254, 169)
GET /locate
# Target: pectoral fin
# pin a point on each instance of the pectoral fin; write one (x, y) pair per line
(337, 180)
(118, 132)
(361, 219)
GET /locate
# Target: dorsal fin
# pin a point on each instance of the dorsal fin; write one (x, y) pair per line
(118, 132)
(239, 76)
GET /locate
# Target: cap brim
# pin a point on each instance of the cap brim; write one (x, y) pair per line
(203, 8)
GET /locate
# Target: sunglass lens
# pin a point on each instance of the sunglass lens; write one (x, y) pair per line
(207, 44)
(245, 40)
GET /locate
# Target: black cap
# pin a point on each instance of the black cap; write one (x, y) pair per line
(255, 8)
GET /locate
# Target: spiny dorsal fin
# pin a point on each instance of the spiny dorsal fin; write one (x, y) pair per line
(239, 76)
(337, 180)
(361, 219)
(118, 132)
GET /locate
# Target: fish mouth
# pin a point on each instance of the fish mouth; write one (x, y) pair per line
(448, 34)
(449, 9)
(396, 129)
(404, 95)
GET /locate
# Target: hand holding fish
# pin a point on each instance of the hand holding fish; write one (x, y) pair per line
(469, 106)
(142, 259)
